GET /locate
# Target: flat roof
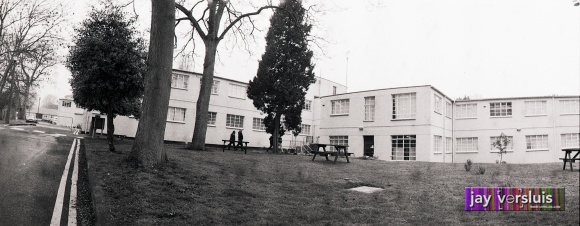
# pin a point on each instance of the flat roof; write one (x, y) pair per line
(519, 98)
(372, 90)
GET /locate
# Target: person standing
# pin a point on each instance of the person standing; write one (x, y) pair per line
(240, 139)
(271, 143)
(232, 140)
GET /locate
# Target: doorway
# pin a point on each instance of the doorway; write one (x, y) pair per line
(369, 145)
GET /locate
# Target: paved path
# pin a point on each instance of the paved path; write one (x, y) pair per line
(31, 168)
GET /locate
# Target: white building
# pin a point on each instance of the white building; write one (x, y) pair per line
(418, 123)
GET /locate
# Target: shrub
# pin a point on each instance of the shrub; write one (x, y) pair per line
(480, 170)
(468, 165)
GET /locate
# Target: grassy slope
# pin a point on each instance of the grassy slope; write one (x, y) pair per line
(212, 187)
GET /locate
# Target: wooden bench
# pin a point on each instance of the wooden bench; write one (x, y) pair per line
(243, 145)
(332, 153)
(568, 158)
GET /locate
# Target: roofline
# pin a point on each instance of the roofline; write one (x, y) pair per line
(246, 83)
(520, 98)
(372, 90)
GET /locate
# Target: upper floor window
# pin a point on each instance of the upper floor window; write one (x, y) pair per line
(176, 114)
(179, 81)
(466, 111)
(404, 106)
(66, 104)
(340, 107)
(308, 105)
(258, 124)
(235, 121)
(570, 106)
(211, 117)
(215, 87)
(571, 140)
(305, 129)
(369, 108)
(437, 104)
(448, 109)
(500, 109)
(237, 91)
(536, 108)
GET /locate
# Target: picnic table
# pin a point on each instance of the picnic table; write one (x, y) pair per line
(325, 153)
(244, 146)
(568, 156)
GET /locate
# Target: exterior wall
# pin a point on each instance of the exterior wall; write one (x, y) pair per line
(518, 125)
(69, 116)
(384, 126)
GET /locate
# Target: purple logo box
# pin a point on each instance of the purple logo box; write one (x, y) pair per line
(514, 199)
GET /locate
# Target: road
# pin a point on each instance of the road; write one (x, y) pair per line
(32, 160)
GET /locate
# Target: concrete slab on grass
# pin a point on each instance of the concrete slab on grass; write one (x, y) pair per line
(366, 189)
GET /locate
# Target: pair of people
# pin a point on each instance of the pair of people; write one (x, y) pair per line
(233, 140)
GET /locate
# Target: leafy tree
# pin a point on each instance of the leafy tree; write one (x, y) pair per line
(148, 149)
(107, 65)
(285, 71)
(501, 143)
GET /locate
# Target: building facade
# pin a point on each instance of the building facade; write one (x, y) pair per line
(418, 123)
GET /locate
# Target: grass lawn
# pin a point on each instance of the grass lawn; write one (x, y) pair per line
(217, 188)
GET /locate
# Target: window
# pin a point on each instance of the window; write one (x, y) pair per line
(437, 103)
(237, 91)
(339, 140)
(437, 145)
(258, 124)
(179, 81)
(500, 109)
(537, 142)
(509, 147)
(467, 144)
(340, 107)
(403, 147)
(466, 111)
(448, 144)
(571, 140)
(404, 106)
(305, 129)
(66, 104)
(215, 87)
(333, 90)
(308, 105)
(369, 108)
(211, 116)
(235, 121)
(448, 109)
(570, 106)
(536, 108)
(176, 114)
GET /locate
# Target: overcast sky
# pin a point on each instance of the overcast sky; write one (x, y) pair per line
(481, 48)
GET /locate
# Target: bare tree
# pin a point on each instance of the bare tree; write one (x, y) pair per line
(26, 27)
(208, 26)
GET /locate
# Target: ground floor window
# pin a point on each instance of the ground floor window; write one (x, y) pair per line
(305, 129)
(510, 145)
(537, 142)
(211, 116)
(235, 121)
(404, 147)
(571, 140)
(339, 140)
(258, 124)
(176, 114)
(467, 144)
(437, 144)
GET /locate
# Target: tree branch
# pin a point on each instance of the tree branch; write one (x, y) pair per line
(244, 16)
(193, 21)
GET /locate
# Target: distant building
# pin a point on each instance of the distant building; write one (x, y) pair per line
(69, 114)
(418, 123)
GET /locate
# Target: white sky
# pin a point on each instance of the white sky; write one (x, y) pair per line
(480, 48)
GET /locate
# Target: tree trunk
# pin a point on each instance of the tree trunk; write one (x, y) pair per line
(110, 128)
(148, 149)
(276, 132)
(8, 112)
(202, 106)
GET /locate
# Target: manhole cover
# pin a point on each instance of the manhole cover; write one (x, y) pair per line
(366, 189)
